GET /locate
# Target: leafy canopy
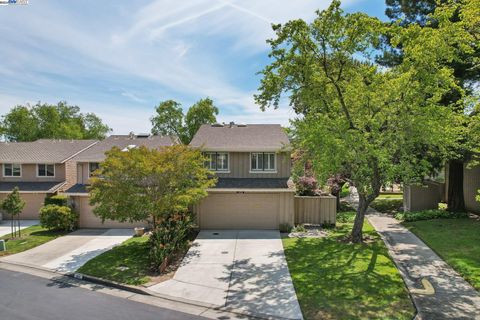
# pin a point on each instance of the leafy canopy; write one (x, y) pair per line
(148, 184)
(44, 121)
(13, 203)
(170, 120)
(370, 123)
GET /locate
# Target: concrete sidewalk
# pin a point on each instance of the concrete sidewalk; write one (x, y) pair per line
(6, 229)
(452, 297)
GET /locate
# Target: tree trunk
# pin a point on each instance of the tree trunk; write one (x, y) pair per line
(357, 235)
(456, 201)
(336, 193)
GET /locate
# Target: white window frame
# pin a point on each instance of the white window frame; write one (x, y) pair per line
(90, 168)
(227, 170)
(263, 170)
(12, 164)
(46, 176)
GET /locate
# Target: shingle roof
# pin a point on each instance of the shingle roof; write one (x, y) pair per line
(31, 186)
(77, 188)
(97, 152)
(252, 137)
(252, 183)
(43, 150)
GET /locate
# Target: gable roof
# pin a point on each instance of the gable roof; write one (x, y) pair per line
(97, 152)
(244, 138)
(42, 150)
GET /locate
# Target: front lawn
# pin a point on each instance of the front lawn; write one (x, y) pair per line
(31, 237)
(457, 241)
(127, 263)
(390, 196)
(338, 280)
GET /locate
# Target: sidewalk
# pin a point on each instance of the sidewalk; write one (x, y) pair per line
(421, 268)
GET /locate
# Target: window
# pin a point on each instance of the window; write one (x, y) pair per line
(217, 161)
(262, 161)
(45, 170)
(12, 170)
(92, 166)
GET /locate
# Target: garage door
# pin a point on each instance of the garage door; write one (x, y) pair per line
(89, 220)
(239, 211)
(33, 203)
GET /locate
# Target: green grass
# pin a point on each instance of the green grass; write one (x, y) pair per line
(338, 280)
(132, 254)
(457, 241)
(31, 237)
(390, 196)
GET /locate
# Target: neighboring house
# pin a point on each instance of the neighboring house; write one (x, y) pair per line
(252, 163)
(88, 161)
(39, 169)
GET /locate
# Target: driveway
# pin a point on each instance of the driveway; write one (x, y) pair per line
(5, 225)
(70, 252)
(243, 270)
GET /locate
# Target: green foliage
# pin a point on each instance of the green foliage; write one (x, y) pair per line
(285, 228)
(170, 120)
(345, 207)
(387, 205)
(299, 228)
(144, 184)
(44, 121)
(346, 216)
(170, 237)
(345, 191)
(478, 196)
(127, 263)
(429, 215)
(374, 125)
(59, 200)
(13, 203)
(54, 217)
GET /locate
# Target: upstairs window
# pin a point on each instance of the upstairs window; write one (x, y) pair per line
(12, 170)
(217, 161)
(45, 170)
(262, 161)
(92, 166)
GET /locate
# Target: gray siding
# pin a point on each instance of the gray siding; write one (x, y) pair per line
(240, 166)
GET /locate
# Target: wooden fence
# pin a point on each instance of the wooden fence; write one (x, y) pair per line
(315, 210)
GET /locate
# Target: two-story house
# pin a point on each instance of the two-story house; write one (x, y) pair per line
(39, 169)
(253, 164)
(88, 161)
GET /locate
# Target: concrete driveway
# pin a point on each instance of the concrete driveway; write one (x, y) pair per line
(5, 225)
(243, 270)
(70, 252)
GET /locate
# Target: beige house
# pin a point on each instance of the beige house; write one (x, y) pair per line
(88, 161)
(252, 163)
(39, 169)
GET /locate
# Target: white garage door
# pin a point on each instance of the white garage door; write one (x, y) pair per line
(239, 211)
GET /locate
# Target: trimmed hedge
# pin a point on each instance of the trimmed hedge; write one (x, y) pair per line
(429, 215)
(387, 205)
(55, 217)
(59, 200)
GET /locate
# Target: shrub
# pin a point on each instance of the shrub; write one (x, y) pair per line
(55, 217)
(169, 238)
(345, 207)
(429, 215)
(346, 217)
(285, 228)
(299, 228)
(345, 190)
(306, 186)
(59, 200)
(387, 205)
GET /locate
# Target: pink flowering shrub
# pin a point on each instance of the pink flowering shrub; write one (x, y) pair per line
(306, 186)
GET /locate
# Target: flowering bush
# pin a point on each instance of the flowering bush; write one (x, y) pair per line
(306, 186)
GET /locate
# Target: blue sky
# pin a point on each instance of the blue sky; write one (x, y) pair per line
(120, 58)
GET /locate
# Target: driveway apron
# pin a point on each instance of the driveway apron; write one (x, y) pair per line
(243, 270)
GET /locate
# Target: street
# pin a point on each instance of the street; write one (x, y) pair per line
(26, 297)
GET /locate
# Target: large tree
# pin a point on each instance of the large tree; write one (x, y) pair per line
(45, 121)
(373, 124)
(170, 119)
(144, 184)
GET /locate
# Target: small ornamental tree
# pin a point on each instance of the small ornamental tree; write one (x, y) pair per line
(13, 205)
(144, 184)
(372, 124)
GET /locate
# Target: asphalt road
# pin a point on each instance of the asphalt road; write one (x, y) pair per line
(25, 297)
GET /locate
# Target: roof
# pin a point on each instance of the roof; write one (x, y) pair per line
(97, 152)
(42, 150)
(40, 187)
(252, 183)
(246, 138)
(77, 189)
